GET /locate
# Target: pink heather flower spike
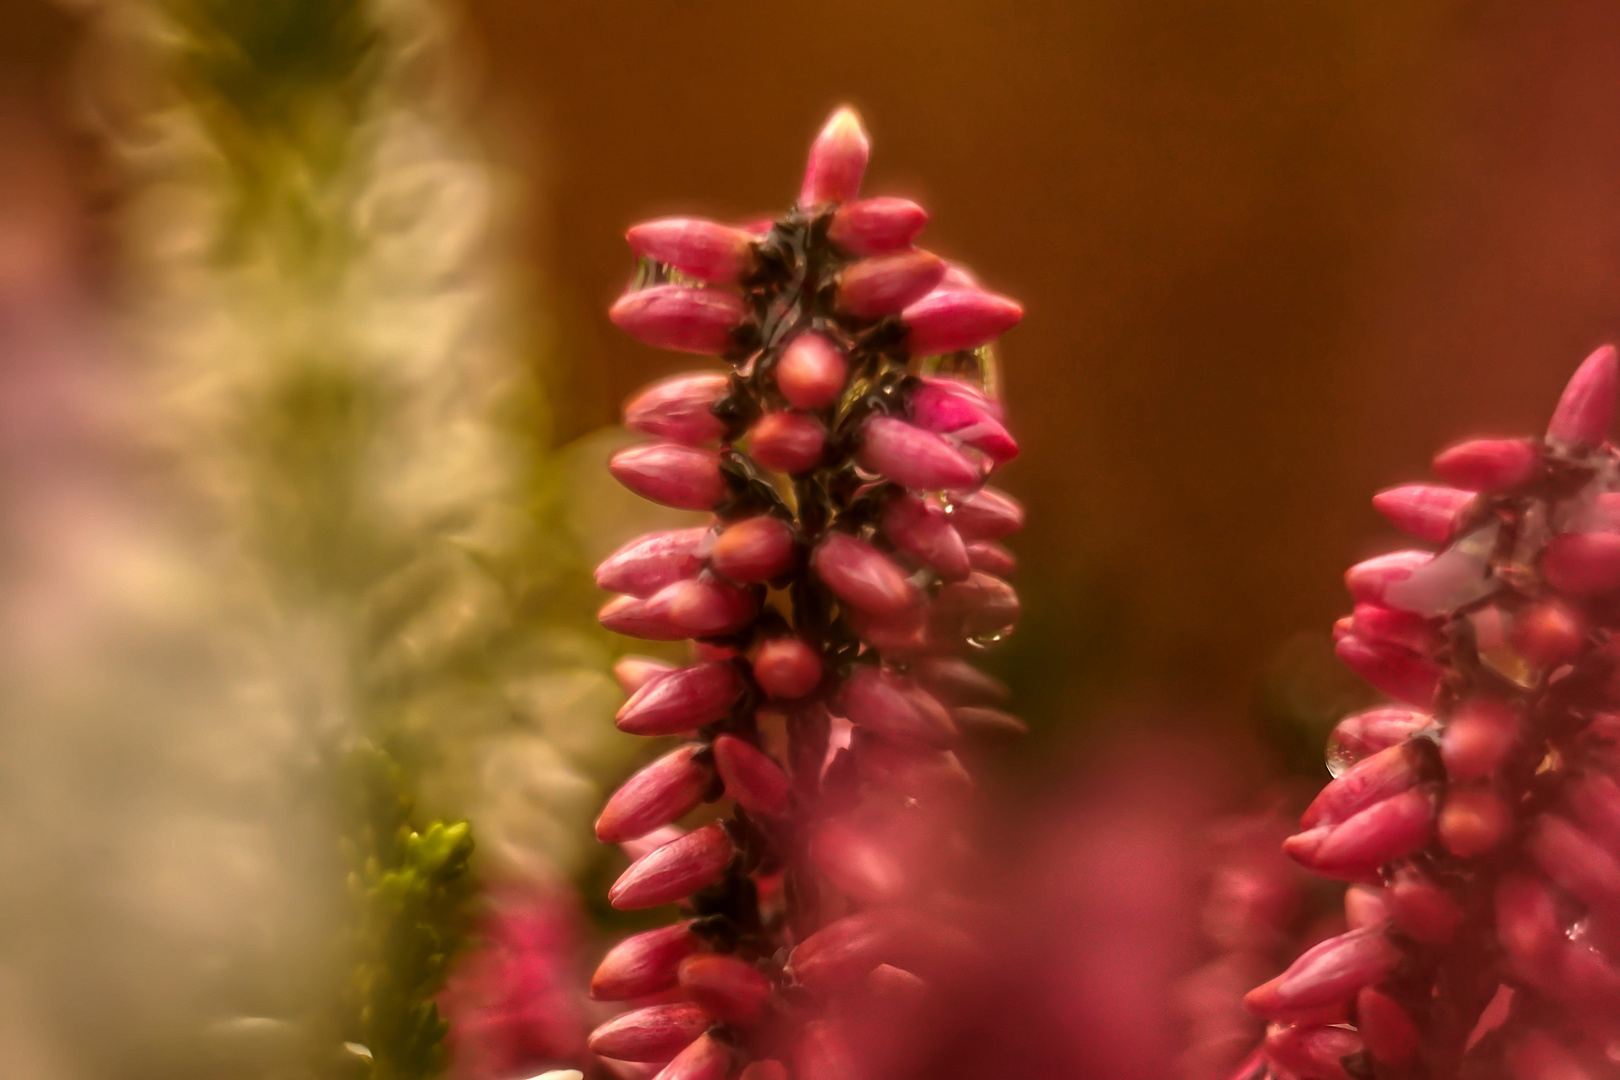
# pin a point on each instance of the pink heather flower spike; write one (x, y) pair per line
(852, 558)
(1586, 409)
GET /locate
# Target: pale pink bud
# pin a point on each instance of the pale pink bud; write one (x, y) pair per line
(632, 617)
(842, 953)
(992, 558)
(1371, 780)
(912, 457)
(634, 672)
(951, 320)
(648, 563)
(786, 668)
(1549, 633)
(987, 514)
(1488, 464)
(752, 777)
(790, 442)
(656, 1033)
(660, 793)
(1475, 820)
(703, 607)
(855, 863)
(883, 284)
(980, 608)
(680, 408)
(1361, 734)
(862, 576)
(684, 477)
(811, 372)
(1401, 674)
(1478, 738)
(678, 869)
(1326, 974)
(643, 846)
(1312, 1052)
(895, 708)
(753, 550)
(1422, 908)
(1582, 563)
(1369, 580)
(644, 964)
(1383, 832)
(705, 250)
(682, 701)
(941, 407)
(728, 989)
(1575, 861)
(1586, 408)
(703, 321)
(987, 723)
(874, 226)
(705, 1058)
(922, 531)
(957, 682)
(1427, 511)
(837, 161)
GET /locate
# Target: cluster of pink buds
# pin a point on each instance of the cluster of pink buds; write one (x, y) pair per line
(1478, 820)
(852, 559)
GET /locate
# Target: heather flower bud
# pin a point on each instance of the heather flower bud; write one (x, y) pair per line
(1594, 801)
(1478, 738)
(682, 700)
(1583, 563)
(988, 723)
(678, 869)
(1488, 464)
(837, 161)
(1422, 908)
(987, 514)
(789, 442)
(664, 791)
(632, 617)
(752, 777)
(1586, 408)
(911, 769)
(1326, 974)
(705, 250)
(861, 576)
(702, 607)
(1427, 511)
(991, 558)
(1365, 905)
(1365, 733)
(786, 668)
(1401, 674)
(1367, 581)
(648, 563)
(842, 953)
(1549, 633)
(728, 989)
(1374, 623)
(1575, 861)
(1368, 781)
(656, 1033)
(981, 608)
(1474, 821)
(644, 964)
(951, 320)
(1357, 846)
(883, 284)
(923, 532)
(947, 409)
(680, 408)
(957, 682)
(1313, 1052)
(703, 321)
(634, 672)
(754, 550)
(680, 476)
(855, 863)
(874, 226)
(811, 372)
(912, 457)
(889, 706)
(706, 1058)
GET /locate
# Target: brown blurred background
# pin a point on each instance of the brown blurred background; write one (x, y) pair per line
(1273, 255)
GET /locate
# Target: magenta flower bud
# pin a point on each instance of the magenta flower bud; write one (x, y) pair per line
(728, 989)
(705, 1058)
(912, 457)
(703, 321)
(632, 617)
(837, 161)
(1369, 580)
(1312, 1052)
(862, 576)
(982, 608)
(883, 284)
(1376, 624)
(1365, 905)
(752, 777)
(1594, 800)
(1474, 820)
(1586, 408)
(811, 372)
(680, 408)
(923, 532)
(702, 607)
(790, 442)
(1383, 832)
(1528, 924)
(1488, 464)
(1427, 511)
(1401, 674)
(644, 964)
(643, 846)
(1549, 633)
(911, 769)
(875, 226)
(682, 701)
(786, 668)
(855, 864)
(656, 1033)
(680, 476)
(705, 250)
(1575, 861)
(842, 953)
(754, 550)
(648, 563)
(1361, 734)
(676, 870)
(1327, 974)
(1387, 1029)
(1422, 908)
(992, 558)
(987, 514)
(952, 320)
(1478, 738)
(664, 791)
(1582, 563)
(1369, 781)
(939, 407)
(956, 682)
(894, 708)
(897, 634)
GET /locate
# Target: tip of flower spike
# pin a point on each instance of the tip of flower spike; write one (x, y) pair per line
(837, 161)
(1586, 408)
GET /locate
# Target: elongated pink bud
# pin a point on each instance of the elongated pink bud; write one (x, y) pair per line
(656, 1033)
(912, 457)
(678, 869)
(956, 682)
(752, 777)
(790, 442)
(1367, 581)
(1422, 908)
(1368, 781)
(842, 953)
(1488, 464)
(987, 514)
(811, 372)
(703, 607)
(644, 964)
(1549, 633)
(682, 701)
(896, 634)
(706, 250)
(855, 863)
(1374, 623)
(951, 320)
(982, 607)
(937, 407)
(1575, 861)
(923, 532)
(633, 617)
(664, 791)
(703, 321)
(1480, 735)
(680, 408)
(1427, 511)
(987, 723)
(680, 476)
(1529, 925)
(754, 550)
(1586, 408)
(728, 989)
(705, 1058)
(1582, 563)
(992, 558)
(1312, 1052)
(1372, 730)
(911, 768)
(874, 226)
(648, 563)
(862, 576)
(883, 284)
(786, 668)
(634, 672)
(894, 708)
(1474, 820)
(1326, 974)
(837, 161)
(1398, 672)
(1594, 800)
(1383, 832)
